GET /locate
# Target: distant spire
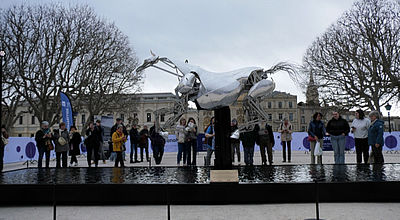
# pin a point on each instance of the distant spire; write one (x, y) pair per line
(312, 95)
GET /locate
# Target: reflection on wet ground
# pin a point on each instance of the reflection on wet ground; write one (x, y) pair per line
(200, 175)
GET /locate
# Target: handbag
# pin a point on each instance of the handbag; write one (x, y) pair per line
(5, 140)
(318, 149)
(311, 138)
(49, 145)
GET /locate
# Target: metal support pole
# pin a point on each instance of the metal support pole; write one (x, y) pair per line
(168, 205)
(223, 156)
(390, 127)
(317, 200)
(2, 54)
(54, 203)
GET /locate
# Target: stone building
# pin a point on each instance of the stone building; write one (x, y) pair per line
(139, 108)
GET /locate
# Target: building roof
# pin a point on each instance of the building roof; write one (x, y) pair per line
(276, 94)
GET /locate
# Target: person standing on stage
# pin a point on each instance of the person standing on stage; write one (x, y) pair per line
(265, 140)
(157, 144)
(43, 139)
(235, 143)
(248, 139)
(119, 139)
(181, 135)
(375, 136)
(144, 143)
(316, 133)
(92, 145)
(191, 141)
(359, 128)
(286, 131)
(338, 128)
(74, 143)
(134, 139)
(210, 141)
(99, 130)
(61, 139)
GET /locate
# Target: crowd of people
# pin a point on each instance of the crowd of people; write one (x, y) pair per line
(368, 135)
(65, 142)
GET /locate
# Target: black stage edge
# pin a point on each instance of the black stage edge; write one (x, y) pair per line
(223, 155)
(185, 194)
(99, 186)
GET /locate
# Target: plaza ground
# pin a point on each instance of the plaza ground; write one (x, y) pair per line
(199, 212)
(331, 211)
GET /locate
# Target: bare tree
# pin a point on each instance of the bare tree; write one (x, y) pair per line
(51, 49)
(356, 62)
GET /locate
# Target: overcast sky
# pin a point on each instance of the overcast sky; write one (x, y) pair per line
(218, 35)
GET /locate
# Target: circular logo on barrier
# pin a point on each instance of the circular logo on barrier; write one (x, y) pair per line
(30, 150)
(391, 141)
(349, 143)
(83, 148)
(18, 149)
(306, 143)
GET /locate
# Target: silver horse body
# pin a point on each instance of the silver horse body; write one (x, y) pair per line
(210, 90)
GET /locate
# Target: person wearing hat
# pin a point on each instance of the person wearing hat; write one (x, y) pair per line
(43, 139)
(61, 139)
(235, 143)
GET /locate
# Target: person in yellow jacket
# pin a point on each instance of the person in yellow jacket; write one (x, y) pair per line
(118, 139)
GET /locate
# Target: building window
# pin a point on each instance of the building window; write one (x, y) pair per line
(33, 119)
(280, 116)
(303, 128)
(303, 119)
(162, 118)
(122, 117)
(280, 104)
(83, 117)
(269, 117)
(148, 117)
(148, 98)
(32, 135)
(290, 104)
(19, 135)
(269, 104)
(134, 115)
(21, 120)
(290, 116)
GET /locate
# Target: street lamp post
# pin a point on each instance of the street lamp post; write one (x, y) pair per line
(2, 54)
(388, 107)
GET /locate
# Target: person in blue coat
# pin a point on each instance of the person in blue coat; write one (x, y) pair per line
(316, 133)
(375, 136)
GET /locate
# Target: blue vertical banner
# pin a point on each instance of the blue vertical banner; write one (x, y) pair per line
(66, 109)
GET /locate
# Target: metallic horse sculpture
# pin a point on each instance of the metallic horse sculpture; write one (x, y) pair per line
(211, 91)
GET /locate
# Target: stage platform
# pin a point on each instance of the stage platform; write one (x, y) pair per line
(191, 185)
